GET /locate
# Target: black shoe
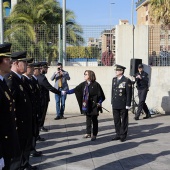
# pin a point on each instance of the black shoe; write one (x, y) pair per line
(62, 117)
(147, 116)
(57, 118)
(136, 118)
(116, 138)
(40, 139)
(122, 139)
(30, 167)
(43, 129)
(35, 154)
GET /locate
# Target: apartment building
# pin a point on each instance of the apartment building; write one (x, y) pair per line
(159, 35)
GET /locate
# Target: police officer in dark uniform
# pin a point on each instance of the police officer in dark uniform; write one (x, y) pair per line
(121, 102)
(45, 87)
(142, 86)
(23, 109)
(37, 95)
(26, 77)
(9, 142)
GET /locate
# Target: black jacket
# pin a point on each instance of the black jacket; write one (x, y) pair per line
(95, 94)
(22, 104)
(142, 83)
(9, 142)
(121, 93)
(45, 87)
(37, 96)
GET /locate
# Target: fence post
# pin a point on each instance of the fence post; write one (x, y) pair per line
(60, 42)
(1, 23)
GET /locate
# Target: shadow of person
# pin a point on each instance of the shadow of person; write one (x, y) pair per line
(138, 161)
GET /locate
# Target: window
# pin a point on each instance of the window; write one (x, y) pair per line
(146, 17)
(162, 37)
(146, 7)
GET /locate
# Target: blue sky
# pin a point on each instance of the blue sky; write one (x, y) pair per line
(101, 12)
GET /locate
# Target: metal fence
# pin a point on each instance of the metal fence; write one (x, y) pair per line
(159, 45)
(84, 47)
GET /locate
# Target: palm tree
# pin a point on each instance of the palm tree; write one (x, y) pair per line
(34, 23)
(160, 11)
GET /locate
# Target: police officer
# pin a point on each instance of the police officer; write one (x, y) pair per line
(45, 87)
(121, 102)
(37, 95)
(142, 86)
(26, 77)
(9, 142)
(23, 109)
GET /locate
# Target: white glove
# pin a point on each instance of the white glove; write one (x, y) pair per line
(2, 164)
(128, 107)
(63, 92)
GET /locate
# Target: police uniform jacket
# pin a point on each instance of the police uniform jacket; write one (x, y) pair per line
(45, 87)
(142, 83)
(95, 95)
(9, 142)
(30, 90)
(37, 96)
(22, 104)
(121, 93)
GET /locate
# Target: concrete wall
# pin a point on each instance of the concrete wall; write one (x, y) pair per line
(104, 76)
(158, 96)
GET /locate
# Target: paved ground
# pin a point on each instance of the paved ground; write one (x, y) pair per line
(147, 146)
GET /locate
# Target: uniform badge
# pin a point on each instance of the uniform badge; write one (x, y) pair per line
(129, 85)
(84, 104)
(7, 95)
(20, 86)
(120, 94)
(30, 86)
(123, 84)
(10, 109)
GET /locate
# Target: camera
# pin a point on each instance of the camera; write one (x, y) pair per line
(59, 69)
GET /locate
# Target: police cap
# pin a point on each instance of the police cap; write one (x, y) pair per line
(30, 62)
(19, 56)
(140, 66)
(5, 50)
(120, 68)
(44, 64)
(36, 65)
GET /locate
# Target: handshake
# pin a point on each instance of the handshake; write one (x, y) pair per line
(63, 92)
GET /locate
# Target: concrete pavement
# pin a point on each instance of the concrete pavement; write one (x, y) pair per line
(147, 146)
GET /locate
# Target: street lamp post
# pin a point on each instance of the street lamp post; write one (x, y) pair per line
(1, 23)
(111, 25)
(133, 82)
(64, 32)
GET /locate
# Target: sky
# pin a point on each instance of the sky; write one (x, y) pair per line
(101, 12)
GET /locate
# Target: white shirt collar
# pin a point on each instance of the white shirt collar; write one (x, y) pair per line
(119, 77)
(17, 74)
(26, 76)
(34, 77)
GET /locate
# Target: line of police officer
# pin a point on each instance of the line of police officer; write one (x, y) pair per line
(24, 97)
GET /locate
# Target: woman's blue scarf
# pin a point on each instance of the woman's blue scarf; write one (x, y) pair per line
(85, 98)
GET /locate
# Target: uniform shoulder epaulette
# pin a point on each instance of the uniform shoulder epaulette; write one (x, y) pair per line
(10, 76)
